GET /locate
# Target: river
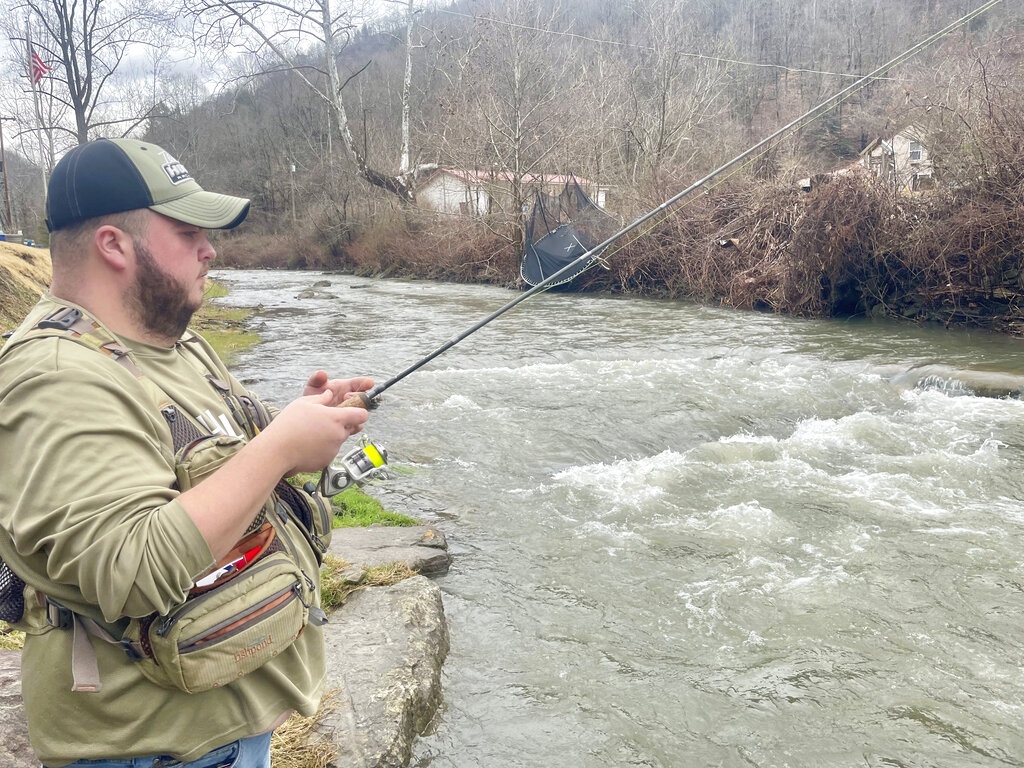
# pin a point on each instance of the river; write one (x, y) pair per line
(690, 536)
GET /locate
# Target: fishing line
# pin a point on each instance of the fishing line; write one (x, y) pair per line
(741, 161)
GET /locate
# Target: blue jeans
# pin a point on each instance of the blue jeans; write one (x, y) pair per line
(252, 752)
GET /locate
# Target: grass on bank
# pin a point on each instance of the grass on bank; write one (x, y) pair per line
(354, 508)
(296, 743)
(25, 274)
(10, 639)
(223, 327)
(338, 580)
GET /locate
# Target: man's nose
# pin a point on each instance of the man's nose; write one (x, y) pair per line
(206, 250)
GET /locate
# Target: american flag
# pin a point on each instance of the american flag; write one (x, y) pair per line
(37, 67)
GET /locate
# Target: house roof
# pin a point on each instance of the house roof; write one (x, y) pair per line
(886, 146)
(912, 132)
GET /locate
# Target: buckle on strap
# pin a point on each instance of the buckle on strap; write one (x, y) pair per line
(62, 319)
(130, 650)
(57, 615)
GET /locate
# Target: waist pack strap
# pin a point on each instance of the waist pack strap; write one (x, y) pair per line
(85, 670)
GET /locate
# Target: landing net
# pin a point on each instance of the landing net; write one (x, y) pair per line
(561, 228)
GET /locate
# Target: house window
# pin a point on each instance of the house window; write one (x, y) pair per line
(915, 151)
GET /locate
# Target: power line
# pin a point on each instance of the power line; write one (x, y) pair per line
(719, 59)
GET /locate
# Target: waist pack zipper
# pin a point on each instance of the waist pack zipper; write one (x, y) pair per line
(268, 607)
(168, 622)
(195, 444)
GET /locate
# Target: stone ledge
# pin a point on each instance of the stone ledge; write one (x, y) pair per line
(386, 646)
(423, 548)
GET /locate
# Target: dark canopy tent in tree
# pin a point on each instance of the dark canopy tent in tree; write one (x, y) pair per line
(561, 228)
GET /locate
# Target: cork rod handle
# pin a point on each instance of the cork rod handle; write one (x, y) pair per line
(356, 400)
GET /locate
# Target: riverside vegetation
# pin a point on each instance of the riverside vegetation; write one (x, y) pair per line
(848, 247)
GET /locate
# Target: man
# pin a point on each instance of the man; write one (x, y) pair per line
(111, 523)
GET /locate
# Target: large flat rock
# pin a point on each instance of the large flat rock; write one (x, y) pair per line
(423, 548)
(385, 646)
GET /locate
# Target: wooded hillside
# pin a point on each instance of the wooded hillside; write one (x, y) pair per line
(333, 132)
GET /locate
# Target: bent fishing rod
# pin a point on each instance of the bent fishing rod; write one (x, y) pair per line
(365, 399)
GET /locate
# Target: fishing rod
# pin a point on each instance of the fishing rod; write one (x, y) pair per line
(365, 399)
(361, 463)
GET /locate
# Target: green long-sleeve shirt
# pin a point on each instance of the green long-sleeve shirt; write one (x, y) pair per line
(87, 495)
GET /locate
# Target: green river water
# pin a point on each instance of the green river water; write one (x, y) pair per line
(688, 536)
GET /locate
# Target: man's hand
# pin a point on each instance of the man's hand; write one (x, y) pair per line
(309, 432)
(304, 437)
(339, 388)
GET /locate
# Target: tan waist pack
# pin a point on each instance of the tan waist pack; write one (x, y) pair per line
(250, 608)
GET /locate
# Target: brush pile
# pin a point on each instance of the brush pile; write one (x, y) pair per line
(848, 247)
(456, 249)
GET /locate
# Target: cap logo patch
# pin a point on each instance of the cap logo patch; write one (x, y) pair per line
(175, 171)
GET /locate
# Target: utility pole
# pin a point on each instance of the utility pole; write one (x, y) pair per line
(293, 193)
(6, 170)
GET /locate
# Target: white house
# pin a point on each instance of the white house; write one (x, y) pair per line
(903, 159)
(478, 192)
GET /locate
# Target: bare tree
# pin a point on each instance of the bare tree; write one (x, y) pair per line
(280, 33)
(675, 101)
(517, 89)
(85, 43)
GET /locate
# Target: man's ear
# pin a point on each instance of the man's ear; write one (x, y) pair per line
(115, 247)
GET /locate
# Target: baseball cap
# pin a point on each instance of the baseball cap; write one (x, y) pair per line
(114, 175)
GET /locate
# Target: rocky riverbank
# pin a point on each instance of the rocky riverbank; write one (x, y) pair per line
(385, 646)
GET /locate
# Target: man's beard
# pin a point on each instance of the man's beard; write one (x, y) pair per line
(157, 299)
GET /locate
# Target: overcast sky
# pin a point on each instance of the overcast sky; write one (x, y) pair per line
(137, 68)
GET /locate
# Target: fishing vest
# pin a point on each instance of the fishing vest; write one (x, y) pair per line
(251, 605)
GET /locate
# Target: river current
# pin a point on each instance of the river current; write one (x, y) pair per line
(688, 536)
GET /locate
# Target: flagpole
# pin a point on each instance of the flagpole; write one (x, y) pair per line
(44, 166)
